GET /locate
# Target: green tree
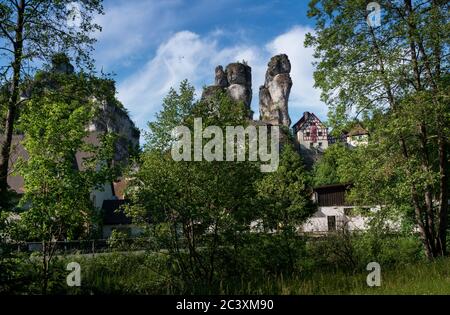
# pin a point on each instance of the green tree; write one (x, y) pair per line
(195, 207)
(325, 171)
(285, 199)
(396, 74)
(33, 30)
(57, 193)
(177, 106)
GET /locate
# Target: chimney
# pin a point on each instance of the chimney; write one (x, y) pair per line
(306, 115)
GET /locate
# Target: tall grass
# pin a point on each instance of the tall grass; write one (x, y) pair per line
(138, 275)
(332, 265)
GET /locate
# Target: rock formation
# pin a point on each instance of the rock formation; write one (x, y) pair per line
(274, 94)
(236, 80)
(111, 116)
(221, 77)
(114, 119)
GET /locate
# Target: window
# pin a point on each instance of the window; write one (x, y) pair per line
(308, 133)
(320, 133)
(331, 223)
(320, 144)
(311, 145)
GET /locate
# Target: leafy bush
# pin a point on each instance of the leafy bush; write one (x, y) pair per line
(352, 252)
(117, 240)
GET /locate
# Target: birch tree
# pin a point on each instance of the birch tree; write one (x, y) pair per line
(32, 31)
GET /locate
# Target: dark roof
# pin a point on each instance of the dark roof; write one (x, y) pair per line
(304, 119)
(332, 195)
(357, 130)
(332, 186)
(113, 217)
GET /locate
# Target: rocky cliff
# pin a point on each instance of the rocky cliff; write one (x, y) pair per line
(236, 80)
(274, 94)
(111, 116)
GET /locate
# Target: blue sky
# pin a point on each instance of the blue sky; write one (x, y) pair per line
(152, 45)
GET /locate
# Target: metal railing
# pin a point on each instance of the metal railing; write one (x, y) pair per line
(86, 246)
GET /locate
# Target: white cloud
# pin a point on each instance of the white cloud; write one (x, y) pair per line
(129, 28)
(303, 94)
(132, 28)
(186, 55)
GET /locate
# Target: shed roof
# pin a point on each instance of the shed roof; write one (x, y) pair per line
(113, 214)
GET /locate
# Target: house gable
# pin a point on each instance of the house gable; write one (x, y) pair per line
(310, 132)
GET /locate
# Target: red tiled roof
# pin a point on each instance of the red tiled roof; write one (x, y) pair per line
(119, 188)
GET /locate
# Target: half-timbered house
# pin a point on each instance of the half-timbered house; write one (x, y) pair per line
(310, 132)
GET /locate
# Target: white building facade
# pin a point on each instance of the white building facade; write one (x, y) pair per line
(310, 132)
(334, 213)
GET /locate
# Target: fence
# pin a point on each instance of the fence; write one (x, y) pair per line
(86, 246)
(95, 246)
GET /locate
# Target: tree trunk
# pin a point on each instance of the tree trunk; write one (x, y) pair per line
(12, 104)
(44, 268)
(423, 228)
(443, 198)
(438, 241)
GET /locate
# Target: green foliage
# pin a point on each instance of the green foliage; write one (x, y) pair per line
(285, 194)
(34, 30)
(201, 211)
(57, 192)
(117, 240)
(122, 276)
(62, 167)
(326, 170)
(42, 16)
(319, 270)
(194, 206)
(176, 107)
(403, 98)
(346, 252)
(24, 275)
(266, 254)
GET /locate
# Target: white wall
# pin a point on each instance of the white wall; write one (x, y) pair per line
(355, 141)
(98, 196)
(307, 144)
(319, 221)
